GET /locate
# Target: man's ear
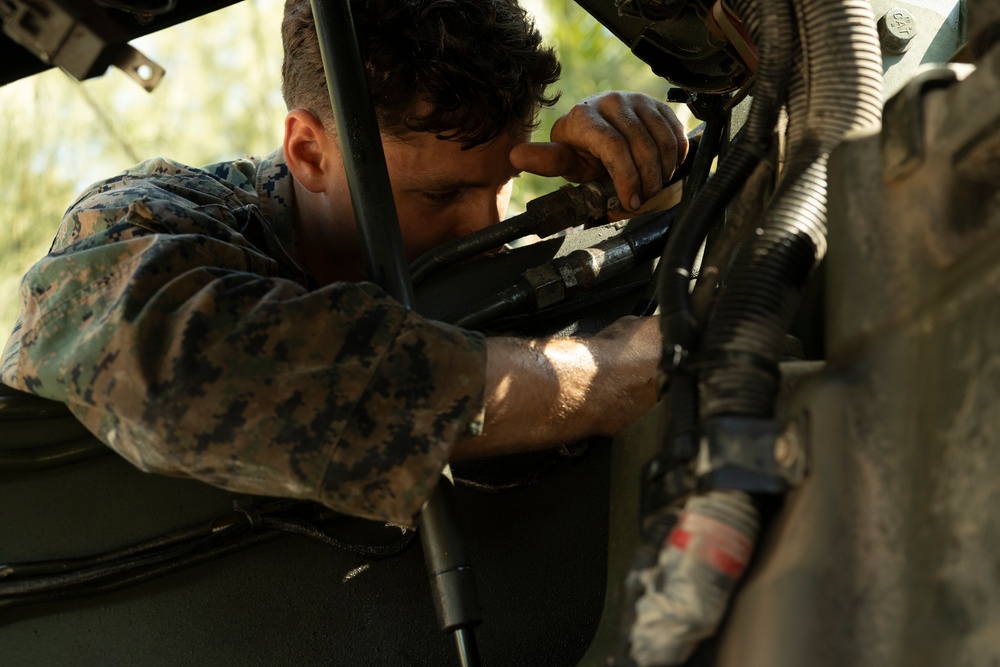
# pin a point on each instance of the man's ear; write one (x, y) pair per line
(309, 151)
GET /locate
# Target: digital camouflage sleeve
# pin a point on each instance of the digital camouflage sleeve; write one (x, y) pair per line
(172, 319)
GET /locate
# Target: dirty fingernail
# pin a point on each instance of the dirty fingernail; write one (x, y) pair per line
(635, 202)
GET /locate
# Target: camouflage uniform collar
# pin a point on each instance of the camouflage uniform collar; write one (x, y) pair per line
(276, 195)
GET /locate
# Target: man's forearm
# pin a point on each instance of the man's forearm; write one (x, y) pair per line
(541, 393)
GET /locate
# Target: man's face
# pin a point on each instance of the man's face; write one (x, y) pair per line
(443, 192)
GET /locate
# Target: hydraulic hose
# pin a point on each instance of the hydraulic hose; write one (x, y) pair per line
(685, 594)
(680, 326)
(687, 591)
(566, 207)
(561, 209)
(775, 43)
(584, 269)
(743, 340)
(711, 132)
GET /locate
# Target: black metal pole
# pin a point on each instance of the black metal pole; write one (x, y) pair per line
(361, 149)
(468, 651)
(447, 558)
(449, 565)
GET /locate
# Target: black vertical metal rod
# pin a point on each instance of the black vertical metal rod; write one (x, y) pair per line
(468, 651)
(361, 148)
(449, 566)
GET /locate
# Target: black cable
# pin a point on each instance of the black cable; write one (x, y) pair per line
(52, 456)
(680, 326)
(581, 303)
(369, 551)
(48, 567)
(584, 269)
(552, 460)
(19, 586)
(710, 138)
(28, 583)
(137, 577)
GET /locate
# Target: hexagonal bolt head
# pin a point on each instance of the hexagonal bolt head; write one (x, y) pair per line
(895, 30)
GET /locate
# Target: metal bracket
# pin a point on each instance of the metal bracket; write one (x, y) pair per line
(78, 37)
(750, 454)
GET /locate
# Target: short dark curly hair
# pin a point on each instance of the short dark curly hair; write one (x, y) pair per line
(466, 70)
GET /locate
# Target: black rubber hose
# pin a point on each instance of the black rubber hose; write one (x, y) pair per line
(701, 168)
(52, 456)
(508, 302)
(678, 322)
(720, 255)
(743, 341)
(476, 243)
(580, 270)
(561, 209)
(775, 43)
(135, 577)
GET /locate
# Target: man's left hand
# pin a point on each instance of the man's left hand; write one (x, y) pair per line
(637, 139)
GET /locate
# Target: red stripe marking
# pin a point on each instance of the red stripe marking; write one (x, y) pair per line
(679, 538)
(723, 561)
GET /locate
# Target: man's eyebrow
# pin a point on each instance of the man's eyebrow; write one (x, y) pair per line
(443, 183)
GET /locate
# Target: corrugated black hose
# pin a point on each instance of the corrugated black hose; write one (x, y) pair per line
(686, 592)
(681, 331)
(756, 306)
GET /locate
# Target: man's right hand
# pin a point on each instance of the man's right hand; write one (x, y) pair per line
(637, 139)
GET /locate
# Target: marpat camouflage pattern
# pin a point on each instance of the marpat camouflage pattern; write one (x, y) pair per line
(171, 317)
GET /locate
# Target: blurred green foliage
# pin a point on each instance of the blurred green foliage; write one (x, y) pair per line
(220, 100)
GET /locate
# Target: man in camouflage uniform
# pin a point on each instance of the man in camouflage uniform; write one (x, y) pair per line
(212, 322)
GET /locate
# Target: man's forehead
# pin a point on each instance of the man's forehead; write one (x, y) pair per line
(443, 163)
